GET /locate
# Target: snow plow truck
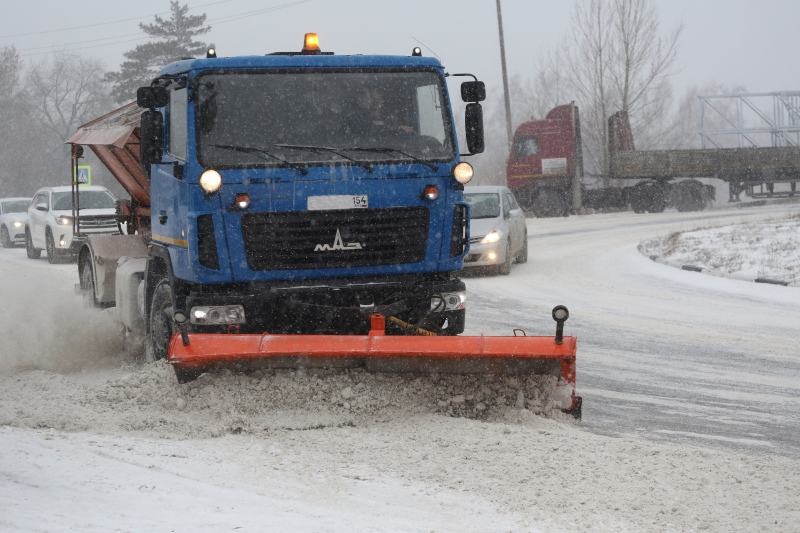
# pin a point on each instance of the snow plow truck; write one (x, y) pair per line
(298, 209)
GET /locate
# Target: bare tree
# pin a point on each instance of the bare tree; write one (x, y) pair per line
(615, 58)
(66, 90)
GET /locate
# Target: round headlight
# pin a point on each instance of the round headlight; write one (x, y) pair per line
(210, 181)
(463, 173)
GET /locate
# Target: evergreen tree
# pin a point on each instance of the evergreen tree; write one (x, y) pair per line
(174, 41)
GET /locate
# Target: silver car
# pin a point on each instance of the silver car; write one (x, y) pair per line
(12, 220)
(498, 233)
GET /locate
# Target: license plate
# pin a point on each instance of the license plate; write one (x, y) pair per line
(338, 201)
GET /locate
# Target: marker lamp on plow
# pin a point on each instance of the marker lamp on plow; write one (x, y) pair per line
(217, 315)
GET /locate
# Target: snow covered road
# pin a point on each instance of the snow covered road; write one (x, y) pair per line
(691, 412)
(663, 353)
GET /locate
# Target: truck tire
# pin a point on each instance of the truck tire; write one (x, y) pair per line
(523, 255)
(161, 325)
(87, 283)
(688, 196)
(30, 250)
(549, 203)
(6, 238)
(647, 196)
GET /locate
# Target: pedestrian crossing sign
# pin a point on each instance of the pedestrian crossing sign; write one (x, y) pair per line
(84, 176)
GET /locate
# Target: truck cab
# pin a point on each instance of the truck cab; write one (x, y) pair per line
(301, 193)
(546, 162)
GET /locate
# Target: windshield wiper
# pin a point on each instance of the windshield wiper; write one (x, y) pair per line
(387, 150)
(259, 152)
(326, 149)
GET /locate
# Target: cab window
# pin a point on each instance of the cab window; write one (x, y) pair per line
(177, 124)
(526, 147)
(506, 206)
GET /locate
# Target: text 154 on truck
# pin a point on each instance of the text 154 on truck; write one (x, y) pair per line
(299, 209)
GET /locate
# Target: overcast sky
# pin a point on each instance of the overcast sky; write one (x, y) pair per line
(743, 42)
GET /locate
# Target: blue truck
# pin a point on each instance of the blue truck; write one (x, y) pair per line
(296, 192)
(299, 209)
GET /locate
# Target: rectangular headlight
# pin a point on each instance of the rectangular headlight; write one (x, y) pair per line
(217, 315)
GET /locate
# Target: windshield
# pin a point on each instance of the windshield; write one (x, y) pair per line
(483, 205)
(17, 206)
(62, 201)
(350, 112)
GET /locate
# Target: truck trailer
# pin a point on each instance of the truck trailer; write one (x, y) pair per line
(299, 209)
(545, 170)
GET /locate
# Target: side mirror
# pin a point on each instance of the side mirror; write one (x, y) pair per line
(473, 122)
(473, 91)
(151, 97)
(152, 137)
(41, 207)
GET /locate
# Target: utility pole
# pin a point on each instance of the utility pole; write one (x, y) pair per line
(505, 74)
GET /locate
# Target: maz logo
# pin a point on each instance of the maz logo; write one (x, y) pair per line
(337, 245)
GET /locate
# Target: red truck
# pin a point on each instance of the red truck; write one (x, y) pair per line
(545, 170)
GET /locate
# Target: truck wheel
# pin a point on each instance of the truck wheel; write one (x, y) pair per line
(50, 244)
(549, 203)
(33, 253)
(523, 256)
(161, 326)
(505, 268)
(688, 196)
(87, 283)
(6, 238)
(657, 203)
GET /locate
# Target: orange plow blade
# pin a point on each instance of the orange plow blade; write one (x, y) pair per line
(380, 353)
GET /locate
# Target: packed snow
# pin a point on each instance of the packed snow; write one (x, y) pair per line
(686, 426)
(768, 249)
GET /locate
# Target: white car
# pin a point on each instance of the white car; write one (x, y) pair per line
(497, 229)
(49, 222)
(12, 220)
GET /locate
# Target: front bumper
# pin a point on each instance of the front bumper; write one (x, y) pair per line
(17, 235)
(484, 255)
(340, 307)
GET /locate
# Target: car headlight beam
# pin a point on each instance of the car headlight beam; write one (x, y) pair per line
(493, 236)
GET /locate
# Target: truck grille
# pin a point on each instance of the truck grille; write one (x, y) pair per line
(335, 239)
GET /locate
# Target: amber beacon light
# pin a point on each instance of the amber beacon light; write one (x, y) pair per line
(311, 43)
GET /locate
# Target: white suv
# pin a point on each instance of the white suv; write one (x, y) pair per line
(49, 223)
(12, 220)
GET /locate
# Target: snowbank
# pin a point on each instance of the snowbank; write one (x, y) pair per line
(769, 249)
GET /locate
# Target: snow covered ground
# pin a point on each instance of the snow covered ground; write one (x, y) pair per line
(768, 249)
(691, 389)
